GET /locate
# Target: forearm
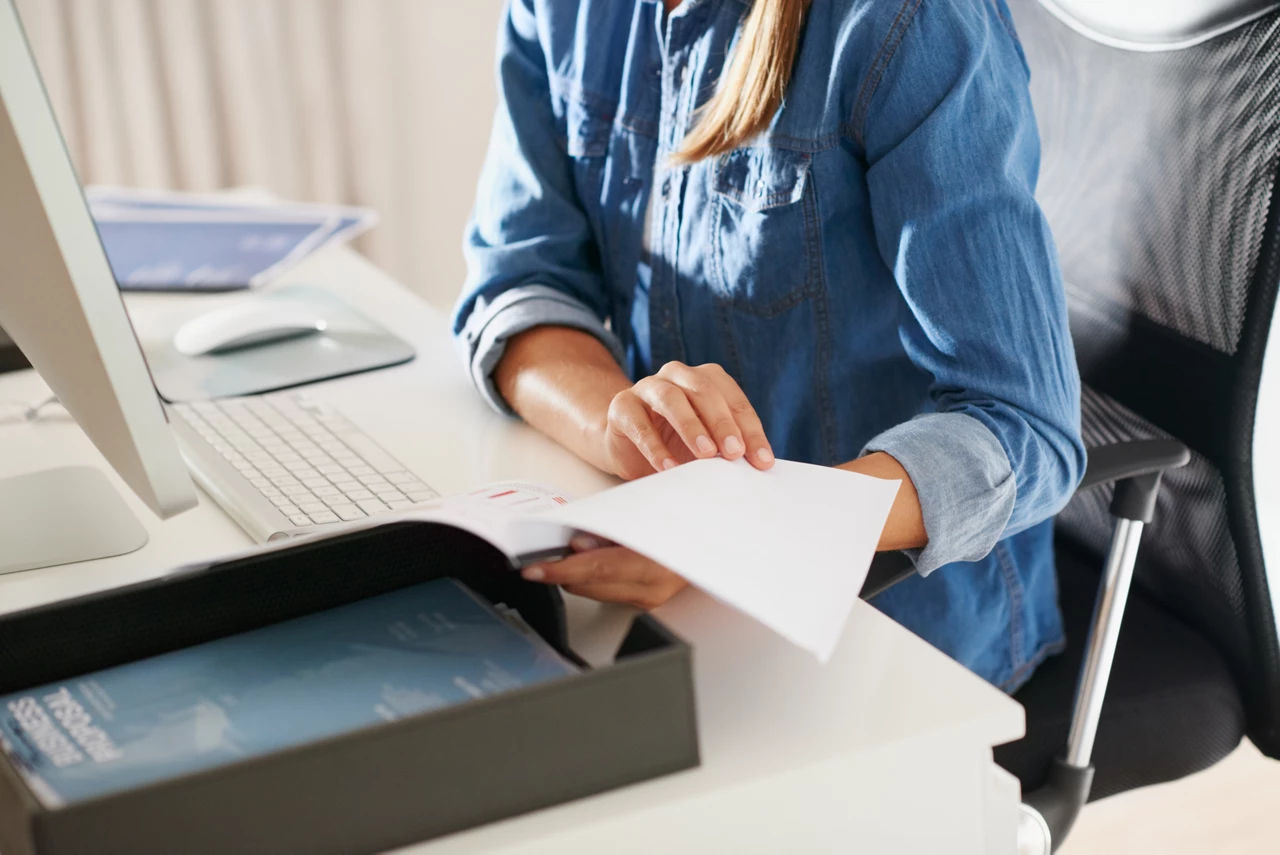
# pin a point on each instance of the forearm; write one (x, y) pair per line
(561, 381)
(905, 526)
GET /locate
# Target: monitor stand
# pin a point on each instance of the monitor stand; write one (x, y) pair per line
(57, 516)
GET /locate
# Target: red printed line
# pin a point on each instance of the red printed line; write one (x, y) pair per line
(500, 495)
(558, 500)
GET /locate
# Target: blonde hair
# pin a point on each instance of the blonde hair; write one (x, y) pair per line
(752, 86)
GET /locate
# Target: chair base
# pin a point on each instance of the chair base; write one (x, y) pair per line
(1172, 707)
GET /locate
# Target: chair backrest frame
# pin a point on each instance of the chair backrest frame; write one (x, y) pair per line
(1165, 343)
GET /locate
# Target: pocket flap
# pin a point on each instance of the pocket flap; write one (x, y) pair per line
(759, 178)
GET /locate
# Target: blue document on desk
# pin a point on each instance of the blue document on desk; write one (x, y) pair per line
(169, 241)
(203, 254)
(399, 654)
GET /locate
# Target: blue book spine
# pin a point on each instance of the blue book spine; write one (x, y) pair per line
(376, 660)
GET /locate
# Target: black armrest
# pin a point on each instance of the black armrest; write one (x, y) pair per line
(887, 570)
(1136, 464)
(1123, 460)
(1135, 467)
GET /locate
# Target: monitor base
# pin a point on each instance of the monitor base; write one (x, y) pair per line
(63, 515)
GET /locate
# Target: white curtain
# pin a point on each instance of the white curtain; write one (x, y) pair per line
(384, 103)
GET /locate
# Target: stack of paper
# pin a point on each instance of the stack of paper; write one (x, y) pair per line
(790, 547)
(161, 240)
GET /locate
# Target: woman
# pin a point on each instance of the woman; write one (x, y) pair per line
(780, 227)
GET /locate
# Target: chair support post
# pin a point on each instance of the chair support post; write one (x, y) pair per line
(1108, 612)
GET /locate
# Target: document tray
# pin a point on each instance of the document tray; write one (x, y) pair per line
(374, 788)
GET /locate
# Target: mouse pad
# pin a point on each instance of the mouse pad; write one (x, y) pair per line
(350, 343)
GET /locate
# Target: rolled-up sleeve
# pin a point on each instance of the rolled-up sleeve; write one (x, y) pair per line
(531, 257)
(483, 337)
(952, 151)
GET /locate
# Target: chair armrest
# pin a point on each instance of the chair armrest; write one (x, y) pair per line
(1135, 467)
(887, 570)
(1136, 464)
(1123, 460)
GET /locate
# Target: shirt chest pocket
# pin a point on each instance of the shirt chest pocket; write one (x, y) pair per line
(765, 244)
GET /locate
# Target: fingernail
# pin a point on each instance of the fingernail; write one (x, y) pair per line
(585, 542)
(534, 573)
(705, 445)
(668, 464)
(733, 445)
(765, 456)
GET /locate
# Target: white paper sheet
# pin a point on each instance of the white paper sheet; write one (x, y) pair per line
(790, 547)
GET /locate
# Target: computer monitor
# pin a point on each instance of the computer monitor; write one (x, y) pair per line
(61, 305)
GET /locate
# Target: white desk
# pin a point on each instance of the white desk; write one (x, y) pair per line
(886, 749)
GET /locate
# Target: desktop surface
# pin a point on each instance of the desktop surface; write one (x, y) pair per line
(797, 756)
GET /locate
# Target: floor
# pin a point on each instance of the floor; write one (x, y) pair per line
(1232, 808)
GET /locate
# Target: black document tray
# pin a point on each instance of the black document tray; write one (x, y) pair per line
(372, 789)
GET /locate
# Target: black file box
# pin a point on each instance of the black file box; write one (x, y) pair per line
(375, 788)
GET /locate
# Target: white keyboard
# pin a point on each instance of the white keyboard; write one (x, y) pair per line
(283, 464)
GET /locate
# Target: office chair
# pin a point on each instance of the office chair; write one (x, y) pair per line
(1160, 131)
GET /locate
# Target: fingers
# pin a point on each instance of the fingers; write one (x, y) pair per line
(672, 403)
(583, 542)
(723, 407)
(629, 422)
(682, 412)
(611, 574)
(646, 598)
(758, 451)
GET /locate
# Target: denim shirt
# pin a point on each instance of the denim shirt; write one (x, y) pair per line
(873, 269)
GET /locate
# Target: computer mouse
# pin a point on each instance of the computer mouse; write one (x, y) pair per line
(247, 324)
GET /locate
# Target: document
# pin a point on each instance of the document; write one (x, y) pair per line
(789, 547)
(161, 240)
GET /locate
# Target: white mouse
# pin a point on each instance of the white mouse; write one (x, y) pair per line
(246, 324)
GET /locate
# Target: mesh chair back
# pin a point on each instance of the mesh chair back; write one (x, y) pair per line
(1159, 177)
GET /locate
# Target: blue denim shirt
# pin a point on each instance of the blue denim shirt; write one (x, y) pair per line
(873, 269)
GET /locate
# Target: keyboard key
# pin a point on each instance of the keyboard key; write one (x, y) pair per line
(325, 490)
(360, 469)
(280, 500)
(313, 507)
(324, 517)
(347, 513)
(397, 504)
(400, 477)
(371, 506)
(421, 495)
(300, 519)
(290, 510)
(389, 495)
(371, 452)
(357, 494)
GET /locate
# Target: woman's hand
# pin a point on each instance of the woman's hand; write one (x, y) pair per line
(603, 571)
(680, 414)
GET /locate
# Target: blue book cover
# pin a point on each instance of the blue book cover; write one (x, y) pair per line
(376, 660)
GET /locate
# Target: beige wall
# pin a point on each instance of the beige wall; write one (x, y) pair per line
(385, 103)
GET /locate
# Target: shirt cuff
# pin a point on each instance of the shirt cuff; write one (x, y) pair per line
(963, 478)
(484, 337)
